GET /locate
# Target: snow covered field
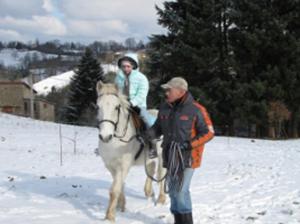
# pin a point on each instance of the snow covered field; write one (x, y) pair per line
(240, 181)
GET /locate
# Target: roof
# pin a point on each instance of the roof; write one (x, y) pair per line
(6, 82)
(44, 101)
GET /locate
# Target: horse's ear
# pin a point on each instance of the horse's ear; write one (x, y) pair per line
(99, 86)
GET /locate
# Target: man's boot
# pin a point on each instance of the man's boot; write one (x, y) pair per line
(152, 149)
(186, 218)
(177, 219)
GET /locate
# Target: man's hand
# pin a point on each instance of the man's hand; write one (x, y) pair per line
(150, 134)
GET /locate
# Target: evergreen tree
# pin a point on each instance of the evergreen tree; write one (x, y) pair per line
(239, 56)
(82, 95)
(265, 49)
(290, 20)
(197, 48)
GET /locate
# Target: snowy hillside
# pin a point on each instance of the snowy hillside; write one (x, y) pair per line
(45, 86)
(14, 58)
(240, 181)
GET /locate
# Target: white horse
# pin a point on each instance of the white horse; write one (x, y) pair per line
(118, 146)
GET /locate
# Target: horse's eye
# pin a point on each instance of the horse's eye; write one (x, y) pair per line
(117, 107)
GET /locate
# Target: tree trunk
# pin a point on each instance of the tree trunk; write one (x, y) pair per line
(249, 130)
(294, 123)
(279, 131)
(271, 131)
(231, 130)
(258, 131)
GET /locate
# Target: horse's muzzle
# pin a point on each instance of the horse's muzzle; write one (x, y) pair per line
(106, 139)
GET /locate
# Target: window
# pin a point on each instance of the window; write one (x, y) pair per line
(26, 108)
(7, 109)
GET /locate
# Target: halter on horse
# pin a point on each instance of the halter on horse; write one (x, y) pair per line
(115, 123)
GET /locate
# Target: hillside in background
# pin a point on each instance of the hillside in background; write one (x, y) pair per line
(16, 58)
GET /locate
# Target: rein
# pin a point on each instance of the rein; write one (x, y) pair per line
(136, 136)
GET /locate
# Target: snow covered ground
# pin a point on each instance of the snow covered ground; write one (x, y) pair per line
(240, 181)
(45, 86)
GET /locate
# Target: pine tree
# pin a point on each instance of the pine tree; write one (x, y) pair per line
(239, 56)
(266, 49)
(82, 95)
(197, 48)
(290, 22)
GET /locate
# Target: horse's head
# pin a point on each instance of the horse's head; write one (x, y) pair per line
(111, 104)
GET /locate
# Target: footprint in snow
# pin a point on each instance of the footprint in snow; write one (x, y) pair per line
(251, 218)
(262, 213)
(287, 212)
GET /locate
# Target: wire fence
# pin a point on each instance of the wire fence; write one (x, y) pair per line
(73, 139)
(68, 134)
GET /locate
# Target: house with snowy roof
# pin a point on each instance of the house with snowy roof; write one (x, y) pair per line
(15, 98)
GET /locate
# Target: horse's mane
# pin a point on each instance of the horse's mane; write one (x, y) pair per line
(110, 88)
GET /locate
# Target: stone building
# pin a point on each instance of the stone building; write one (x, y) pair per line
(15, 99)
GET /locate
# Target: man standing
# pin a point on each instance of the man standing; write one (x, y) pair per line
(135, 86)
(186, 127)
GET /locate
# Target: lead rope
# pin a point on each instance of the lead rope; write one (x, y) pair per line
(146, 170)
(175, 169)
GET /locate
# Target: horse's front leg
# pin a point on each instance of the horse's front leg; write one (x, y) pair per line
(122, 200)
(114, 195)
(148, 188)
(148, 184)
(161, 172)
(117, 191)
(162, 195)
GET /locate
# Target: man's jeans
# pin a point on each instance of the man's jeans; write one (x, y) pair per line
(181, 201)
(148, 118)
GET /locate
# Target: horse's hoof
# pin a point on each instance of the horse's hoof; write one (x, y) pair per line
(121, 208)
(161, 199)
(110, 218)
(149, 194)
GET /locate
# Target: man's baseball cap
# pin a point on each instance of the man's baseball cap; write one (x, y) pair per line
(176, 82)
